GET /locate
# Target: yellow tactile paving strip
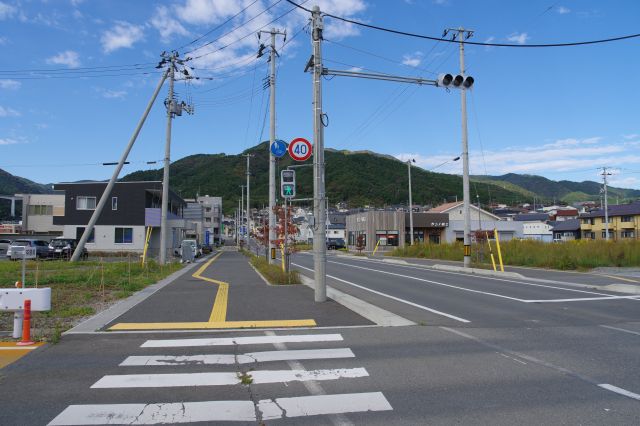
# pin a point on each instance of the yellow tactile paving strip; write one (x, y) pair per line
(11, 352)
(217, 319)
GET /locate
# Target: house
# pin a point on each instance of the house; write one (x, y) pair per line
(389, 229)
(624, 222)
(566, 214)
(132, 208)
(39, 211)
(455, 212)
(566, 230)
(507, 229)
(531, 217)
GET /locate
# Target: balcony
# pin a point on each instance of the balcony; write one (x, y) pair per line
(153, 216)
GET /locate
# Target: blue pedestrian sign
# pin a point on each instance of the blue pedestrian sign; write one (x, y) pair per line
(278, 148)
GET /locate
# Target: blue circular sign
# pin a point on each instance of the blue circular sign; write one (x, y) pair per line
(278, 148)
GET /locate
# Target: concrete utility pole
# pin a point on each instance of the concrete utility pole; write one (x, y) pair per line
(248, 186)
(272, 137)
(410, 203)
(107, 191)
(319, 235)
(606, 203)
(242, 209)
(465, 155)
(167, 162)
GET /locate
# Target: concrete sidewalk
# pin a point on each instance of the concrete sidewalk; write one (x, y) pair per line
(226, 292)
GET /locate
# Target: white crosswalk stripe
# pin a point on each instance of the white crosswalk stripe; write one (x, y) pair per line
(224, 410)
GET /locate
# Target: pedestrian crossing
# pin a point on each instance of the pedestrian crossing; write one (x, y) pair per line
(277, 406)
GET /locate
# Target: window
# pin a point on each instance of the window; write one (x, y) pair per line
(114, 203)
(626, 219)
(80, 231)
(85, 203)
(387, 238)
(604, 234)
(604, 220)
(124, 236)
(40, 210)
(207, 219)
(352, 238)
(628, 234)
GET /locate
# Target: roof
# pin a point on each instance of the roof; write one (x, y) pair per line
(617, 210)
(531, 217)
(443, 208)
(567, 213)
(567, 225)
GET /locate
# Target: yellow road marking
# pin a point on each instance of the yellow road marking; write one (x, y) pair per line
(10, 352)
(620, 278)
(219, 311)
(212, 325)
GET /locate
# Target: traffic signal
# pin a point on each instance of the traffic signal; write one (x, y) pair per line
(288, 183)
(458, 82)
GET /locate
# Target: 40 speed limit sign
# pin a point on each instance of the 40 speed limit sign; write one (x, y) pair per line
(300, 149)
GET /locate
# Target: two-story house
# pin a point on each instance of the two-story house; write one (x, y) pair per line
(132, 208)
(624, 222)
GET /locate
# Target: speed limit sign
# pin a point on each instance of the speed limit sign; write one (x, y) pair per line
(300, 149)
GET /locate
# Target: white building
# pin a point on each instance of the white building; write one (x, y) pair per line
(38, 211)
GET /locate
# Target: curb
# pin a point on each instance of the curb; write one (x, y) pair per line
(477, 271)
(103, 318)
(371, 312)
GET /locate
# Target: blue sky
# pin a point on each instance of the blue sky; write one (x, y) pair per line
(71, 94)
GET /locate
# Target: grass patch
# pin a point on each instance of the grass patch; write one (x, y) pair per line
(274, 273)
(572, 255)
(78, 289)
(302, 247)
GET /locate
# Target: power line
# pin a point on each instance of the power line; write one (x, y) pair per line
(475, 43)
(47, 77)
(105, 68)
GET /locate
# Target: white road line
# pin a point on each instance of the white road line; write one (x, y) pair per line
(323, 404)
(19, 348)
(392, 297)
(580, 299)
(484, 277)
(218, 379)
(216, 411)
(247, 340)
(620, 391)
(624, 330)
(228, 359)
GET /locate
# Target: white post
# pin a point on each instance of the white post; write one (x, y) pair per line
(410, 205)
(606, 204)
(272, 138)
(167, 162)
(465, 162)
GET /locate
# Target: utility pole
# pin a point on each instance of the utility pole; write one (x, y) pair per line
(460, 36)
(410, 203)
(606, 203)
(107, 192)
(319, 244)
(272, 137)
(167, 159)
(248, 185)
(242, 210)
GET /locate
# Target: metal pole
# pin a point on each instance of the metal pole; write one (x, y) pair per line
(319, 244)
(286, 237)
(167, 162)
(242, 211)
(248, 186)
(116, 172)
(272, 138)
(465, 162)
(606, 205)
(24, 266)
(410, 205)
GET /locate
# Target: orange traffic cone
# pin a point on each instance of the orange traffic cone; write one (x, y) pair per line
(26, 325)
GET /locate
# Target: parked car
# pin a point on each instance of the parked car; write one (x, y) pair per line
(335, 243)
(42, 248)
(193, 244)
(4, 246)
(63, 248)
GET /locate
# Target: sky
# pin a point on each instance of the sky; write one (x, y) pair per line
(76, 76)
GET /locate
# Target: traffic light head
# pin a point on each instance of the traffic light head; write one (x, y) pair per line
(444, 80)
(458, 81)
(288, 183)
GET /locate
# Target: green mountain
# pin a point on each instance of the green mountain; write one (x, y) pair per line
(564, 190)
(359, 178)
(10, 185)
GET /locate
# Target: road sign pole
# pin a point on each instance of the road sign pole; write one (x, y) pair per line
(24, 265)
(319, 244)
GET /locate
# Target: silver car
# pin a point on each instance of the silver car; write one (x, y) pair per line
(4, 246)
(42, 248)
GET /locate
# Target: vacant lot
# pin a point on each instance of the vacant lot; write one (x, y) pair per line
(78, 289)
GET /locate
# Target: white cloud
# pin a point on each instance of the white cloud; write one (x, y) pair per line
(355, 69)
(8, 112)
(207, 11)
(7, 11)
(166, 25)
(9, 84)
(122, 35)
(412, 60)
(562, 10)
(631, 136)
(518, 38)
(7, 141)
(68, 58)
(76, 2)
(114, 94)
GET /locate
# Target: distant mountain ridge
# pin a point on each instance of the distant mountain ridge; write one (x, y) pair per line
(10, 185)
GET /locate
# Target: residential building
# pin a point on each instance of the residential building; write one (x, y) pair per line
(566, 214)
(566, 230)
(212, 217)
(39, 211)
(194, 213)
(507, 229)
(624, 222)
(536, 230)
(390, 228)
(532, 217)
(122, 225)
(455, 212)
